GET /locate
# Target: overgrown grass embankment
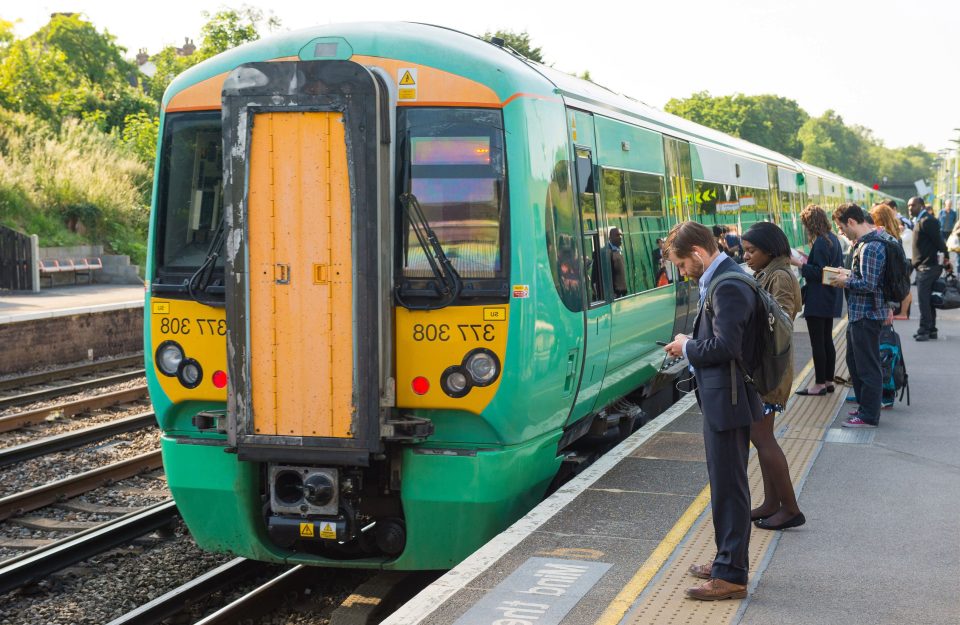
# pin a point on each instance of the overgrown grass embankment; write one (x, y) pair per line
(73, 186)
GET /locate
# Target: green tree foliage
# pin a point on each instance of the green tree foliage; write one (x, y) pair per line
(225, 29)
(519, 42)
(69, 70)
(829, 143)
(140, 134)
(767, 120)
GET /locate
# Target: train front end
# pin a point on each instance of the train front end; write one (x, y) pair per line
(329, 311)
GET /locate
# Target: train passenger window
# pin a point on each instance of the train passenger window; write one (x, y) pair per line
(633, 205)
(190, 201)
(754, 206)
(590, 226)
(563, 231)
(452, 162)
(717, 203)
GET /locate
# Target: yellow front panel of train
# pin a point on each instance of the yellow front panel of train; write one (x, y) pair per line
(301, 290)
(201, 332)
(432, 342)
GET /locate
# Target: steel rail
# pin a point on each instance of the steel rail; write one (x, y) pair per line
(38, 563)
(262, 599)
(67, 389)
(68, 409)
(77, 485)
(68, 372)
(76, 438)
(173, 602)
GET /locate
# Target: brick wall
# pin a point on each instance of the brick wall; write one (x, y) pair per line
(61, 340)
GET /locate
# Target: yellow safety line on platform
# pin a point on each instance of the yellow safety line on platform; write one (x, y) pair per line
(625, 598)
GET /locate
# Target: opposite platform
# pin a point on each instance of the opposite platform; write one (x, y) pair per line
(69, 300)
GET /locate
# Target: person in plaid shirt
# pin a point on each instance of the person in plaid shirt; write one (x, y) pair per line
(866, 313)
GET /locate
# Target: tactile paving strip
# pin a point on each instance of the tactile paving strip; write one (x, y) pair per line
(800, 430)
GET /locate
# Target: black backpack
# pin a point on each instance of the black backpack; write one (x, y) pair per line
(895, 281)
(896, 272)
(773, 357)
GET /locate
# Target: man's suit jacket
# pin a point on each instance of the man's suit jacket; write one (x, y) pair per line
(719, 337)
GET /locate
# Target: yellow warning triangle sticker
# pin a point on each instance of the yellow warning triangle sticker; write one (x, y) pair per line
(306, 530)
(407, 79)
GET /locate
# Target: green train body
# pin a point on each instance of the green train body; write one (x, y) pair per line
(354, 406)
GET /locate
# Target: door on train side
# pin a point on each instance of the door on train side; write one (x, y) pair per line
(680, 203)
(596, 276)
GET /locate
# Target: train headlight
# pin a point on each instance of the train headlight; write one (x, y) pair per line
(190, 374)
(454, 382)
(169, 356)
(483, 367)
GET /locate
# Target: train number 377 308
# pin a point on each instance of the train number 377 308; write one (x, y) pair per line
(444, 332)
(186, 325)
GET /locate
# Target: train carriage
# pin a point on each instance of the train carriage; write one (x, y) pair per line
(399, 275)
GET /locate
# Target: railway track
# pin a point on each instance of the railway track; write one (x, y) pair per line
(68, 409)
(68, 389)
(75, 438)
(37, 564)
(43, 377)
(73, 486)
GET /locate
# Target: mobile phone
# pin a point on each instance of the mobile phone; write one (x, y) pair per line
(662, 343)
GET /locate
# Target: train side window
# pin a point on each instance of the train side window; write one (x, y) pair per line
(717, 203)
(592, 274)
(563, 229)
(754, 206)
(633, 205)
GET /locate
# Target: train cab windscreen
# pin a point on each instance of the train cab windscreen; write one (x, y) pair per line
(190, 201)
(451, 162)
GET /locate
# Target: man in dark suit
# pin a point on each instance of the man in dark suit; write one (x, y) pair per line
(722, 335)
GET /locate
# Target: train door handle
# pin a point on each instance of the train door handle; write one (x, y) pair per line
(571, 370)
(281, 273)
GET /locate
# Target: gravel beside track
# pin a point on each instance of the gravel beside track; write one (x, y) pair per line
(136, 492)
(46, 469)
(56, 425)
(107, 586)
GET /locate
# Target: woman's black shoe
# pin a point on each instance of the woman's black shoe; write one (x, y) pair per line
(795, 521)
(805, 392)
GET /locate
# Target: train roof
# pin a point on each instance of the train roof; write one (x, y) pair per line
(505, 72)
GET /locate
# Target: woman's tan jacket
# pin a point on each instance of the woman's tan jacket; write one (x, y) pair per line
(778, 280)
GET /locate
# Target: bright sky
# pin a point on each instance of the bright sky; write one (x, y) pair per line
(887, 65)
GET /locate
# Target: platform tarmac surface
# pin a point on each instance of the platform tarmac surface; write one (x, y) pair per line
(68, 300)
(881, 544)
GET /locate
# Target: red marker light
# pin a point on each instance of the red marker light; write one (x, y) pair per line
(219, 379)
(421, 385)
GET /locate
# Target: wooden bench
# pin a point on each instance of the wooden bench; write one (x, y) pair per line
(83, 266)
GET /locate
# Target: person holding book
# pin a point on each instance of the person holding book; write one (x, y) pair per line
(822, 303)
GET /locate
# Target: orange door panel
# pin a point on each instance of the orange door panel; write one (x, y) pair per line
(301, 290)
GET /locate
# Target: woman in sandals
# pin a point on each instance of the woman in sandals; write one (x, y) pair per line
(822, 304)
(767, 253)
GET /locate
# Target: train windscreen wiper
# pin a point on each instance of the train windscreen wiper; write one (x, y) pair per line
(448, 282)
(200, 282)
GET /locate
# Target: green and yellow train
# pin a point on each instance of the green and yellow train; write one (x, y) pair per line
(383, 304)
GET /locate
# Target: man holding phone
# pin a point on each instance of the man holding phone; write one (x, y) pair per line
(724, 337)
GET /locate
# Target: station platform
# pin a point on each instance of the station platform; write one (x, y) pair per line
(63, 301)
(613, 545)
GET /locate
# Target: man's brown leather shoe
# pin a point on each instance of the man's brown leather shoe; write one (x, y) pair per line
(716, 589)
(703, 571)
